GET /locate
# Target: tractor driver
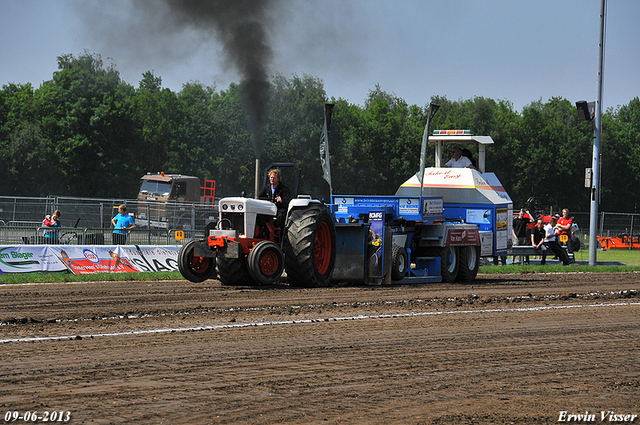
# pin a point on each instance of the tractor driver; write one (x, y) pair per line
(277, 193)
(459, 160)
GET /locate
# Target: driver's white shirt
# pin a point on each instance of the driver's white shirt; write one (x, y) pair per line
(462, 162)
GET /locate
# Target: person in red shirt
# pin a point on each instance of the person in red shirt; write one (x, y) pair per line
(564, 226)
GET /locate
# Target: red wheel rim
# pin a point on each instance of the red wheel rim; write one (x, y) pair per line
(269, 263)
(199, 264)
(322, 248)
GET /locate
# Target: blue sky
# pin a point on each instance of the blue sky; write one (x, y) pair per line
(514, 50)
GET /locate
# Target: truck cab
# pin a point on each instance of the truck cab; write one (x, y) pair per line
(162, 200)
(169, 187)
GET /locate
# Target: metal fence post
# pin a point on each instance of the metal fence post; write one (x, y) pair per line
(631, 234)
(193, 220)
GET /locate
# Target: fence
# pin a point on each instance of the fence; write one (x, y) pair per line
(615, 224)
(88, 236)
(87, 219)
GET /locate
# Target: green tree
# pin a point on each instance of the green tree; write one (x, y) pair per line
(156, 115)
(558, 153)
(195, 146)
(87, 116)
(28, 164)
(293, 129)
(620, 147)
(234, 167)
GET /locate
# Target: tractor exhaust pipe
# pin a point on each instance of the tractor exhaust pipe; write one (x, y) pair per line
(257, 178)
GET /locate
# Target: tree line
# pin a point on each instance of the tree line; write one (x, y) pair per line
(88, 133)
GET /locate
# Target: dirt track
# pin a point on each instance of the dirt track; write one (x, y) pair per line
(508, 349)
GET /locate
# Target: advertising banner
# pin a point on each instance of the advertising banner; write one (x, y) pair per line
(85, 259)
(376, 218)
(152, 258)
(28, 258)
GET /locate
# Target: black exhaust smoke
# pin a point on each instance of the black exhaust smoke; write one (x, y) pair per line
(241, 27)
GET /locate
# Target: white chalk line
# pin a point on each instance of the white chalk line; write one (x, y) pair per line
(301, 321)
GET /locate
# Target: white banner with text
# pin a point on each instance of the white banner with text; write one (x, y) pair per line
(85, 259)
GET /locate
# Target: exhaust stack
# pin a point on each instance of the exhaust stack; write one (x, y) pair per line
(257, 178)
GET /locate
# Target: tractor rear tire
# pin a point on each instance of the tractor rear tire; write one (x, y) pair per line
(469, 263)
(399, 263)
(233, 271)
(192, 268)
(310, 246)
(265, 262)
(449, 263)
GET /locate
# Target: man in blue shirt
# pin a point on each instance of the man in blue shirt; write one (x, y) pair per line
(121, 223)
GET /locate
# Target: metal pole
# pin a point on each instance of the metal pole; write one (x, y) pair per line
(595, 187)
(257, 185)
(425, 140)
(631, 234)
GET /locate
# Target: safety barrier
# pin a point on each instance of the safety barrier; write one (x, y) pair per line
(34, 235)
(86, 259)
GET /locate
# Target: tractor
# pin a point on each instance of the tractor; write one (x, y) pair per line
(247, 247)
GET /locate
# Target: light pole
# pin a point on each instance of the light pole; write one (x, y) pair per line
(584, 111)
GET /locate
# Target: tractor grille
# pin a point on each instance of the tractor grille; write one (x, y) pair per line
(233, 220)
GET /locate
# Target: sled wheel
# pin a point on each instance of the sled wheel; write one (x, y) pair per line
(449, 263)
(192, 268)
(233, 271)
(310, 246)
(265, 262)
(469, 263)
(399, 263)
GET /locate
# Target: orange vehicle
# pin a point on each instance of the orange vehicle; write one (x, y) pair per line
(622, 241)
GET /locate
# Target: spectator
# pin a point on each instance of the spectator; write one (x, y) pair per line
(121, 223)
(458, 161)
(521, 232)
(51, 223)
(537, 239)
(565, 224)
(551, 241)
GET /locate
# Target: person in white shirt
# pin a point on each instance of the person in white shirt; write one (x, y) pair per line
(551, 241)
(458, 160)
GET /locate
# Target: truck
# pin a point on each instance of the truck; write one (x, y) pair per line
(433, 229)
(165, 200)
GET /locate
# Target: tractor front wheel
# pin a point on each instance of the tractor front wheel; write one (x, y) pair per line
(192, 268)
(265, 262)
